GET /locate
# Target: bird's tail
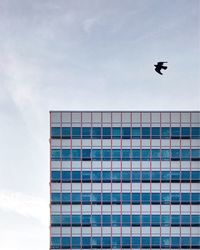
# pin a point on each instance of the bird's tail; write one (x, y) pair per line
(164, 67)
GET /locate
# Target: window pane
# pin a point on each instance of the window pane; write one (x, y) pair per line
(185, 154)
(96, 176)
(195, 154)
(136, 154)
(76, 176)
(175, 154)
(126, 176)
(155, 154)
(116, 176)
(145, 176)
(66, 133)
(86, 176)
(185, 133)
(106, 154)
(76, 133)
(66, 176)
(136, 133)
(86, 154)
(116, 154)
(145, 154)
(106, 133)
(196, 133)
(116, 133)
(126, 133)
(145, 133)
(55, 132)
(165, 154)
(156, 176)
(136, 176)
(96, 154)
(165, 176)
(55, 176)
(106, 176)
(175, 133)
(96, 133)
(86, 133)
(66, 154)
(175, 176)
(125, 154)
(55, 154)
(165, 133)
(76, 154)
(156, 133)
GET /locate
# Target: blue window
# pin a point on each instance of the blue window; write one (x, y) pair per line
(165, 176)
(165, 198)
(76, 133)
(165, 132)
(115, 242)
(106, 241)
(55, 176)
(116, 133)
(126, 176)
(66, 176)
(155, 154)
(125, 220)
(86, 154)
(156, 133)
(185, 242)
(116, 154)
(135, 198)
(136, 154)
(116, 220)
(125, 154)
(195, 198)
(195, 133)
(185, 133)
(156, 176)
(96, 154)
(86, 220)
(96, 176)
(155, 242)
(65, 198)
(96, 242)
(86, 198)
(65, 242)
(126, 133)
(76, 154)
(96, 133)
(145, 176)
(175, 242)
(76, 176)
(55, 132)
(185, 154)
(136, 133)
(196, 242)
(145, 154)
(195, 220)
(145, 242)
(175, 220)
(106, 198)
(145, 133)
(106, 133)
(86, 133)
(116, 176)
(106, 176)
(76, 220)
(175, 133)
(66, 133)
(195, 154)
(155, 198)
(136, 176)
(126, 198)
(145, 220)
(185, 198)
(136, 220)
(165, 220)
(65, 220)
(106, 154)
(86, 242)
(185, 176)
(116, 198)
(165, 154)
(175, 176)
(76, 198)
(66, 154)
(175, 154)
(185, 220)
(55, 154)
(136, 242)
(55, 220)
(86, 176)
(55, 242)
(165, 242)
(196, 176)
(155, 220)
(145, 198)
(76, 242)
(175, 198)
(96, 198)
(126, 241)
(55, 197)
(106, 220)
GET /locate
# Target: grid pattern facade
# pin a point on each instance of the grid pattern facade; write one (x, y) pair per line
(124, 180)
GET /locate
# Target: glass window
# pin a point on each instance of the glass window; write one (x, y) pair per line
(155, 133)
(96, 154)
(65, 220)
(55, 132)
(145, 242)
(175, 176)
(185, 133)
(106, 176)
(86, 176)
(55, 176)
(175, 242)
(86, 220)
(86, 241)
(126, 198)
(145, 133)
(116, 154)
(136, 133)
(165, 220)
(96, 176)
(126, 241)
(185, 154)
(76, 220)
(106, 198)
(96, 198)
(175, 133)
(116, 220)
(76, 176)
(106, 220)
(195, 220)
(155, 198)
(86, 133)
(175, 198)
(195, 154)
(195, 176)
(96, 133)
(106, 133)
(136, 154)
(126, 220)
(175, 220)
(86, 154)
(116, 133)
(145, 220)
(55, 154)
(185, 242)
(195, 133)
(136, 176)
(76, 241)
(115, 242)
(185, 198)
(55, 242)
(136, 242)
(185, 220)
(86, 198)
(125, 154)
(175, 154)
(55, 220)
(145, 154)
(96, 220)
(165, 176)
(76, 133)
(136, 220)
(106, 241)
(76, 154)
(55, 197)
(165, 154)
(156, 242)
(96, 242)
(196, 242)
(135, 198)
(76, 198)
(155, 154)
(106, 154)
(116, 199)
(116, 176)
(126, 133)
(165, 133)
(65, 198)
(165, 242)
(185, 176)
(66, 176)
(195, 198)
(156, 176)
(66, 154)
(145, 176)
(165, 198)
(145, 198)
(126, 176)
(155, 220)
(66, 133)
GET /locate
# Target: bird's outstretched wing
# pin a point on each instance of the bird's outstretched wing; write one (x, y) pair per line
(161, 63)
(158, 70)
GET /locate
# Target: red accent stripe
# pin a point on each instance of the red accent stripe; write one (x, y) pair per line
(61, 178)
(50, 184)
(180, 180)
(150, 180)
(131, 182)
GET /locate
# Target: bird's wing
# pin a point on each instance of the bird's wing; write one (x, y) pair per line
(160, 63)
(158, 70)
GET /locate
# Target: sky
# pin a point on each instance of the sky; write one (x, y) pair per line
(81, 55)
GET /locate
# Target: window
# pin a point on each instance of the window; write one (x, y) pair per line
(136, 154)
(126, 176)
(106, 176)
(116, 154)
(145, 220)
(116, 199)
(155, 133)
(96, 154)
(126, 198)
(155, 154)
(195, 154)
(126, 242)
(76, 154)
(96, 176)
(165, 176)
(65, 220)
(185, 220)
(76, 176)
(96, 133)
(145, 154)
(145, 198)
(106, 154)
(76, 133)
(136, 176)
(116, 176)
(185, 198)
(55, 242)
(86, 154)
(116, 220)
(175, 133)
(136, 133)
(66, 133)
(55, 154)
(86, 176)
(155, 220)
(55, 132)
(175, 154)
(165, 220)
(86, 220)
(116, 133)
(156, 176)
(96, 198)
(66, 154)
(55, 198)
(185, 176)
(55, 176)
(175, 198)
(86, 133)
(185, 133)
(155, 242)
(126, 133)
(145, 176)
(76, 198)
(145, 242)
(106, 133)
(96, 220)
(195, 198)
(165, 242)
(125, 220)
(125, 154)
(76, 220)
(86, 242)
(106, 198)
(175, 220)
(136, 220)
(135, 198)
(175, 176)
(185, 154)
(55, 220)
(165, 198)
(65, 198)
(195, 176)
(165, 154)
(86, 198)
(155, 198)
(145, 133)
(106, 220)
(165, 133)
(106, 242)
(195, 133)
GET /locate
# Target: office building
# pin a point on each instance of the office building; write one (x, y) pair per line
(124, 180)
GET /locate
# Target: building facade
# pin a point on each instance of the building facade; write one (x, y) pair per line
(124, 180)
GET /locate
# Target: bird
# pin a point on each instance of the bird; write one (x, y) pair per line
(160, 66)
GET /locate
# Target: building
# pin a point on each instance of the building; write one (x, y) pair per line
(124, 180)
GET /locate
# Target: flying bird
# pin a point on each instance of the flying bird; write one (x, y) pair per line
(160, 66)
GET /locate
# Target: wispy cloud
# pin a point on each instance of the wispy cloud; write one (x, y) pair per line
(25, 205)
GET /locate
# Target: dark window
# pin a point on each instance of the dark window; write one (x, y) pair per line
(196, 176)
(65, 198)
(55, 132)
(185, 198)
(55, 220)
(106, 176)
(86, 242)
(155, 154)
(156, 176)
(136, 133)
(165, 220)
(96, 154)
(76, 133)
(165, 176)
(185, 133)
(126, 220)
(66, 176)
(55, 154)
(185, 154)
(175, 198)
(155, 220)
(96, 220)
(175, 154)
(116, 154)
(175, 220)
(86, 176)
(165, 154)
(86, 198)
(175, 176)
(156, 133)
(66, 133)
(116, 133)
(86, 133)
(196, 133)
(106, 220)
(106, 242)
(165, 133)
(145, 198)
(175, 133)
(145, 176)
(155, 198)
(116, 220)
(165, 242)
(76, 220)
(55, 197)
(126, 176)
(116, 198)
(136, 220)
(55, 176)
(106, 154)
(86, 154)
(65, 242)
(165, 198)
(106, 133)
(126, 133)
(96, 133)
(185, 176)
(135, 198)
(126, 198)
(125, 154)
(65, 220)
(145, 154)
(145, 133)
(66, 154)
(145, 220)
(195, 154)
(106, 198)
(76, 198)
(136, 154)
(116, 176)
(76, 176)
(96, 176)
(86, 220)
(136, 176)
(76, 154)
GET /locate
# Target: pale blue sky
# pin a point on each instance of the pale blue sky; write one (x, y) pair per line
(91, 54)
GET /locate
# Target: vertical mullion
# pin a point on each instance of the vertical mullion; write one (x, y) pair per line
(140, 180)
(150, 180)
